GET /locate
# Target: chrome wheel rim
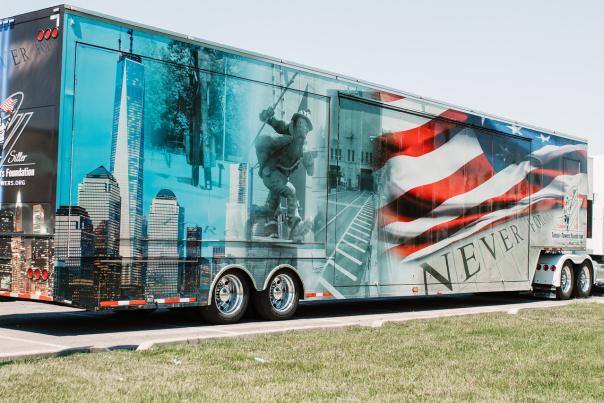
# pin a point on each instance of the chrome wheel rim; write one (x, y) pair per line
(584, 279)
(282, 292)
(565, 279)
(228, 294)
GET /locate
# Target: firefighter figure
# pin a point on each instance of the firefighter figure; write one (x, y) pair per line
(279, 155)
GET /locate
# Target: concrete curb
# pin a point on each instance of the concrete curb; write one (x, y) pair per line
(370, 320)
(34, 355)
(198, 340)
(375, 323)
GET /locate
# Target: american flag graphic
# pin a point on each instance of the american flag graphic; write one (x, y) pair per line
(8, 106)
(444, 180)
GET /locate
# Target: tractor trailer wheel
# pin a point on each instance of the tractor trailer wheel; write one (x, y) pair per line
(565, 291)
(583, 282)
(230, 298)
(279, 300)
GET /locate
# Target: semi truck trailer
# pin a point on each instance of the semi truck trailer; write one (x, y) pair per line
(143, 169)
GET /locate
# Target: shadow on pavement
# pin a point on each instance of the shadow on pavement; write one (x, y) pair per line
(74, 323)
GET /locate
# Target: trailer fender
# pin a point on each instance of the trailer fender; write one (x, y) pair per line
(234, 267)
(545, 276)
(288, 267)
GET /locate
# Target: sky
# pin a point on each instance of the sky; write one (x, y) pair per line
(538, 62)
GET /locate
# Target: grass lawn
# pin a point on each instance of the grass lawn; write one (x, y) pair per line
(537, 355)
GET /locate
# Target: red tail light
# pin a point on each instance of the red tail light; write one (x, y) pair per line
(545, 267)
(48, 33)
(44, 275)
(30, 273)
(553, 268)
(37, 274)
(538, 267)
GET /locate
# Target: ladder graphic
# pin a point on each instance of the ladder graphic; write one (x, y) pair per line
(352, 251)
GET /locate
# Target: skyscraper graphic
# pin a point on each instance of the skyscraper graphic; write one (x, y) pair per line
(6, 227)
(39, 225)
(192, 269)
(127, 162)
(74, 249)
(18, 213)
(237, 206)
(237, 210)
(40, 250)
(18, 249)
(165, 231)
(99, 194)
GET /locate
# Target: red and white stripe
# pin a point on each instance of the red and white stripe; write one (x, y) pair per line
(139, 302)
(389, 98)
(439, 186)
(399, 101)
(130, 302)
(509, 185)
(318, 294)
(548, 197)
(174, 300)
(34, 296)
(8, 105)
(404, 172)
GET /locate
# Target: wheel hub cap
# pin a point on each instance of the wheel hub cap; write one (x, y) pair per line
(225, 294)
(584, 279)
(228, 294)
(565, 279)
(278, 293)
(282, 292)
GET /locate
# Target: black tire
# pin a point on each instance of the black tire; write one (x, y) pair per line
(229, 299)
(279, 301)
(565, 291)
(583, 281)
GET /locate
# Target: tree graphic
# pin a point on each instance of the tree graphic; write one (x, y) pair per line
(192, 111)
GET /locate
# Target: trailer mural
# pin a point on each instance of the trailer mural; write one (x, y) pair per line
(29, 54)
(459, 204)
(176, 160)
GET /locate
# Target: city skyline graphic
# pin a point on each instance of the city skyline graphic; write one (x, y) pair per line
(110, 210)
(100, 242)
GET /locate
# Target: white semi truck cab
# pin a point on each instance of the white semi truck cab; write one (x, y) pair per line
(595, 215)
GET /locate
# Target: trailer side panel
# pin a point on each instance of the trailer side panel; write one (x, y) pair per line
(30, 69)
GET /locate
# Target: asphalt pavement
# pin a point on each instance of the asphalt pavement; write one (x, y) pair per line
(29, 329)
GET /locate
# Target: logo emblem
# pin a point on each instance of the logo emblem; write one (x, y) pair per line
(12, 123)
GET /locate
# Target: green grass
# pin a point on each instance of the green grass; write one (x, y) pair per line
(537, 355)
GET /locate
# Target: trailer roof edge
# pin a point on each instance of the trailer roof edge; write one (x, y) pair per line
(287, 63)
